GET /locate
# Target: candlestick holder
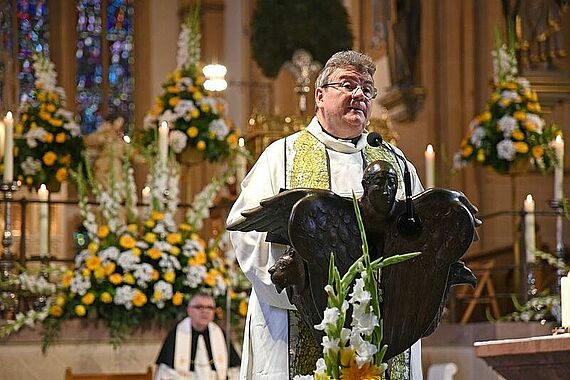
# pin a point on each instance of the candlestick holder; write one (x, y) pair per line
(560, 330)
(558, 207)
(7, 273)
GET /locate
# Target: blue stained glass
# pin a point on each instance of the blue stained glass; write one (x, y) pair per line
(121, 80)
(89, 64)
(6, 44)
(33, 38)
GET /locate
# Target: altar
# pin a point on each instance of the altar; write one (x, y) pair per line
(536, 358)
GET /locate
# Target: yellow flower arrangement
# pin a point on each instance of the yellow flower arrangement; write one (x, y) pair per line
(48, 142)
(510, 134)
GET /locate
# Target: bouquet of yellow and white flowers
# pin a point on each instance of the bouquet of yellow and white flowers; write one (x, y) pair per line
(196, 120)
(511, 133)
(130, 272)
(48, 141)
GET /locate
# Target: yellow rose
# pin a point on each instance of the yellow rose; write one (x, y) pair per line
(518, 135)
(106, 297)
(115, 278)
(530, 126)
(19, 129)
(242, 308)
(80, 310)
(174, 238)
(132, 228)
(51, 107)
(485, 116)
(174, 250)
(139, 299)
(200, 258)
(86, 272)
(110, 268)
(61, 174)
(521, 147)
(92, 247)
(505, 102)
(467, 151)
(154, 253)
(194, 113)
(192, 132)
(495, 96)
(197, 95)
(60, 138)
(49, 158)
(92, 262)
(519, 115)
(210, 279)
(150, 237)
(65, 160)
(60, 301)
(149, 223)
(103, 231)
(213, 254)
(185, 227)
(537, 151)
(157, 295)
(48, 137)
(155, 275)
(99, 273)
(88, 298)
(44, 115)
(136, 251)
(127, 241)
(157, 215)
(66, 279)
(173, 101)
(56, 122)
(204, 107)
(128, 278)
(177, 298)
(201, 145)
(233, 139)
(56, 311)
(172, 90)
(29, 180)
(169, 276)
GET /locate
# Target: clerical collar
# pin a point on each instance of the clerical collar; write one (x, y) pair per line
(353, 141)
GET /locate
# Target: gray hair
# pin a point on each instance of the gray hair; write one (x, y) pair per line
(343, 59)
(201, 294)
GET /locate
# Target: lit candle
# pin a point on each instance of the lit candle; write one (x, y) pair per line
(559, 169)
(241, 164)
(145, 195)
(2, 137)
(43, 195)
(565, 300)
(9, 148)
(163, 143)
(430, 166)
(529, 229)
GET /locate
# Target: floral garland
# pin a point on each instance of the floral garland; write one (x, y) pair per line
(511, 133)
(354, 353)
(196, 121)
(48, 141)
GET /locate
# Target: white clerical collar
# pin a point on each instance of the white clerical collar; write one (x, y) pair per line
(339, 145)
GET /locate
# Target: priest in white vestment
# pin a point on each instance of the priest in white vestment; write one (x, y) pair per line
(196, 348)
(331, 153)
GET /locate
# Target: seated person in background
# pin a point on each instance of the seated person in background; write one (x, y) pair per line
(196, 347)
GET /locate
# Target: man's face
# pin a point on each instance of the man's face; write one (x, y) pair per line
(201, 312)
(343, 113)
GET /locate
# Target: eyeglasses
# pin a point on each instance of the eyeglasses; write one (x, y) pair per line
(350, 86)
(203, 307)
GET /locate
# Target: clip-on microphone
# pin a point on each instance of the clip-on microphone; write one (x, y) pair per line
(408, 224)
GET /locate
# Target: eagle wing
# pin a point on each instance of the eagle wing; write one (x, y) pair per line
(414, 290)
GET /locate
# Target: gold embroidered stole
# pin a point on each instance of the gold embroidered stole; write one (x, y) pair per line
(310, 169)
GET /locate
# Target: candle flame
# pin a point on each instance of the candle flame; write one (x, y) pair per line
(558, 139)
(9, 115)
(429, 149)
(164, 124)
(529, 198)
(241, 142)
(127, 139)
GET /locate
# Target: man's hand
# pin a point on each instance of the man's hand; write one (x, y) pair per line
(288, 271)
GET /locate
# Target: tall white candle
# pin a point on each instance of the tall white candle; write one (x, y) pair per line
(163, 142)
(43, 196)
(559, 169)
(9, 148)
(529, 228)
(241, 164)
(2, 137)
(430, 166)
(565, 300)
(145, 195)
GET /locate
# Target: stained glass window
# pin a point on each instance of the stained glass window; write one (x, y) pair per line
(32, 38)
(120, 40)
(89, 64)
